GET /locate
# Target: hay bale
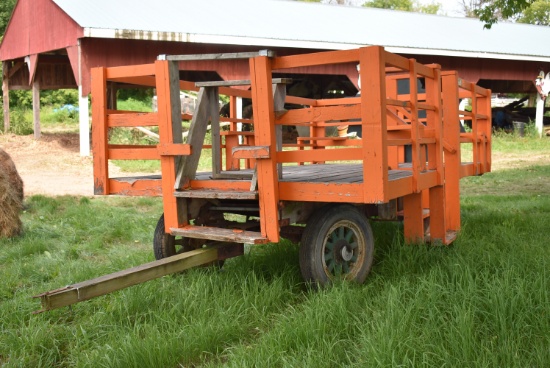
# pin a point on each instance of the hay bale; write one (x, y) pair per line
(11, 197)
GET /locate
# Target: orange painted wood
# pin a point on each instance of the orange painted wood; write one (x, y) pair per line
(413, 219)
(130, 71)
(374, 124)
(321, 58)
(319, 114)
(438, 226)
(116, 120)
(319, 155)
(100, 131)
(142, 81)
(220, 184)
(171, 149)
(264, 129)
(133, 152)
(170, 131)
(321, 192)
(243, 152)
(135, 187)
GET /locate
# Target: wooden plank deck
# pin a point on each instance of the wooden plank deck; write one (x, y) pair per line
(318, 173)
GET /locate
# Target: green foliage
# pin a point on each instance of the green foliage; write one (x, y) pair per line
(21, 99)
(50, 116)
(537, 13)
(404, 5)
(6, 9)
(492, 11)
(59, 97)
(137, 94)
(21, 122)
(133, 104)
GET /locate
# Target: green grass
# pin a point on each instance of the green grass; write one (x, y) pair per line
(482, 302)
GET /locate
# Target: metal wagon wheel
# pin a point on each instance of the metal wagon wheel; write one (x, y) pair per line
(336, 244)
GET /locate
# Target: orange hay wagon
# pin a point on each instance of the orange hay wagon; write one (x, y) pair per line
(406, 165)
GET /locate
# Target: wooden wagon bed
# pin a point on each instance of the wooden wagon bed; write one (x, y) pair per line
(422, 118)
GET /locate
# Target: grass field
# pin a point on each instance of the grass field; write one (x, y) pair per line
(482, 302)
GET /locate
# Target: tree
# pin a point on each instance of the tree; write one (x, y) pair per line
(538, 13)
(494, 10)
(404, 5)
(6, 8)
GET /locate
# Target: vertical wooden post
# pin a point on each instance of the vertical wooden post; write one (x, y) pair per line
(83, 110)
(393, 151)
(539, 114)
(187, 168)
(374, 124)
(279, 96)
(435, 121)
(6, 95)
(100, 131)
(232, 140)
(84, 123)
(418, 160)
(451, 139)
(214, 112)
(413, 219)
(36, 108)
(170, 131)
(264, 131)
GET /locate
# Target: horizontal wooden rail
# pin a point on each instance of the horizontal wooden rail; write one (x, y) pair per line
(340, 154)
(117, 119)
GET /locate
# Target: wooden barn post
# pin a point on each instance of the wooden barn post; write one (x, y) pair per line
(83, 111)
(36, 108)
(6, 95)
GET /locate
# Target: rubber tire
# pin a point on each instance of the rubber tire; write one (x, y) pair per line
(318, 229)
(164, 245)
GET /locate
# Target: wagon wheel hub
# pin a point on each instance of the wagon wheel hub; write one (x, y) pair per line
(340, 250)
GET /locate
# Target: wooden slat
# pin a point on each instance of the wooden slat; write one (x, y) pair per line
(242, 82)
(133, 153)
(130, 71)
(173, 149)
(141, 187)
(244, 152)
(217, 194)
(134, 119)
(321, 192)
(197, 131)
(319, 114)
(217, 234)
(319, 155)
(218, 56)
(319, 58)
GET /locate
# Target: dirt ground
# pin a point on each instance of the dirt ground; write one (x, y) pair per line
(53, 165)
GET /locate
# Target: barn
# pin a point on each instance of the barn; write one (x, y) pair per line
(51, 44)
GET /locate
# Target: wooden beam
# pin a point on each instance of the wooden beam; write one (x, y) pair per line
(119, 280)
(220, 56)
(6, 95)
(36, 108)
(197, 130)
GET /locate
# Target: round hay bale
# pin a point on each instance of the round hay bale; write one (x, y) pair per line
(11, 197)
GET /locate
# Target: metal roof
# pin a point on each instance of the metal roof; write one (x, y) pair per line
(273, 23)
